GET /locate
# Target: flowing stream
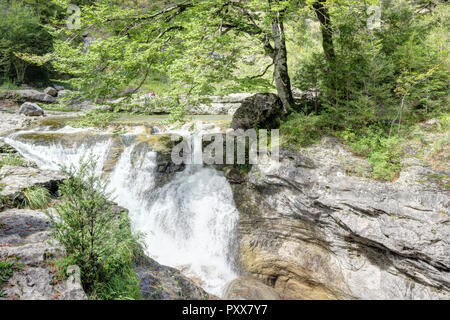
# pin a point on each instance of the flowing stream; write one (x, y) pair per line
(188, 223)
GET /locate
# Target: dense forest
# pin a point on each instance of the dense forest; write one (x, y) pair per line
(374, 67)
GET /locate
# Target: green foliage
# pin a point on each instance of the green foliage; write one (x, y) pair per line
(10, 159)
(36, 198)
(94, 119)
(96, 238)
(60, 106)
(380, 82)
(7, 268)
(7, 84)
(301, 130)
(21, 34)
(383, 152)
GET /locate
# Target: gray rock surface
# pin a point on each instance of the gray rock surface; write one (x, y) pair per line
(15, 179)
(58, 87)
(31, 110)
(158, 282)
(51, 91)
(62, 93)
(25, 238)
(262, 110)
(314, 227)
(33, 95)
(212, 105)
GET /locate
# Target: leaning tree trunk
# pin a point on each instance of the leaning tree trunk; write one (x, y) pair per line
(280, 73)
(326, 29)
(279, 57)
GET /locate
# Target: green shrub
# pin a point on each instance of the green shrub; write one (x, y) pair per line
(7, 84)
(36, 198)
(22, 34)
(383, 152)
(7, 268)
(96, 238)
(11, 159)
(301, 130)
(95, 119)
(373, 142)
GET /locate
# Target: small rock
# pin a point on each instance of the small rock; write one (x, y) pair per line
(430, 124)
(31, 110)
(62, 93)
(51, 91)
(233, 175)
(58, 87)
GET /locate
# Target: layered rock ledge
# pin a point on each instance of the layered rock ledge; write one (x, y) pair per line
(313, 227)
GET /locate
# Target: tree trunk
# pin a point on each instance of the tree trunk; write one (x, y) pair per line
(327, 32)
(21, 68)
(279, 56)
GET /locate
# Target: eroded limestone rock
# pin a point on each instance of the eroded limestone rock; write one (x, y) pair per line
(25, 238)
(315, 230)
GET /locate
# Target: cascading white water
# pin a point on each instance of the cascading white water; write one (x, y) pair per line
(188, 223)
(55, 156)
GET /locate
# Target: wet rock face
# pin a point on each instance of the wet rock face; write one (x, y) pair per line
(262, 110)
(158, 282)
(313, 231)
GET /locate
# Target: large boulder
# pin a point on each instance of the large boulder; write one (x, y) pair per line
(51, 91)
(33, 95)
(31, 110)
(262, 110)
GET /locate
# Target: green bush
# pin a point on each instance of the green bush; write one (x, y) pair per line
(383, 152)
(301, 130)
(95, 119)
(373, 142)
(7, 268)
(21, 35)
(36, 198)
(96, 238)
(11, 159)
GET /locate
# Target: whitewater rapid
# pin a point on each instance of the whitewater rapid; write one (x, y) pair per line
(188, 223)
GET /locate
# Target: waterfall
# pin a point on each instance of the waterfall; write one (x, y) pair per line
(188, 223)
(56, 155)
